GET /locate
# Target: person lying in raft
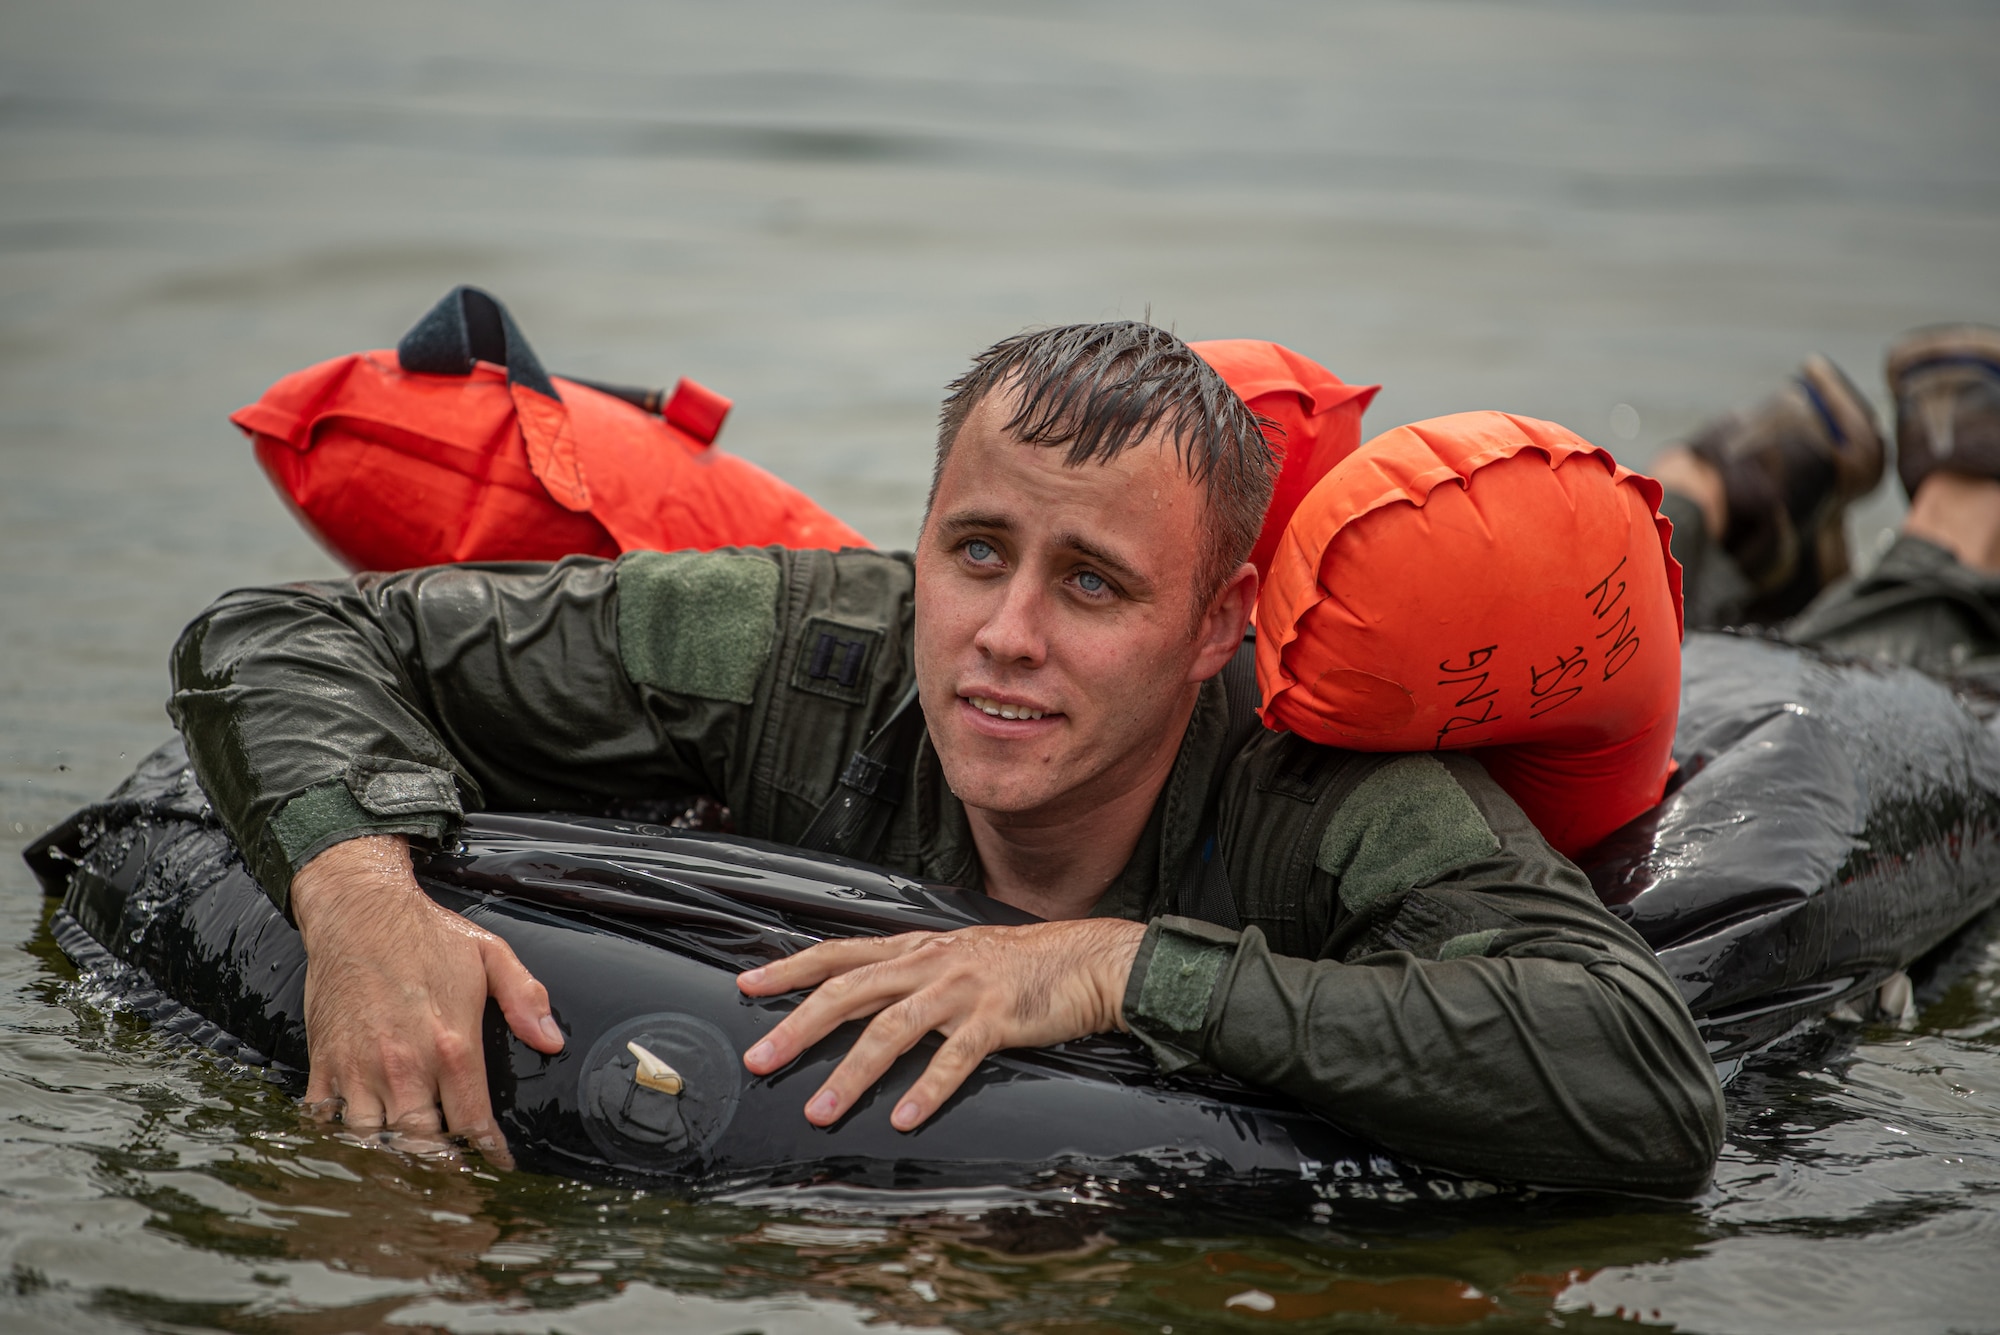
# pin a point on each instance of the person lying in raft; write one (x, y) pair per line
(1384, 936)
(1759, 500)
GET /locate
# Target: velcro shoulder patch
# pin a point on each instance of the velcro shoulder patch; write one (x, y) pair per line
(1406, 825)
(697, 623)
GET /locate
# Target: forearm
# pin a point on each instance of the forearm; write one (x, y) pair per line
(1556, 1063)
(320, 713)
(305, 731)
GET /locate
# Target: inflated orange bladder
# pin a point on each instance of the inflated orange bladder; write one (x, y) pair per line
(1487, 583)
(1314, 420)
(458, 446)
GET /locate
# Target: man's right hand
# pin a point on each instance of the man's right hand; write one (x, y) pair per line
(396, 989)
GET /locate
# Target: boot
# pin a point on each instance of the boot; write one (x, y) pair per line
(1790, 466)
(1946, 382)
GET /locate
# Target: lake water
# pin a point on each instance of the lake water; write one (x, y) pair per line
(1623, 216)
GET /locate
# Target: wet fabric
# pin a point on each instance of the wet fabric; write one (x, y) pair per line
(1489, 583)
(510, 682)
(1919, 605)
(1314, 420)
(697, 625)
(1409, 824)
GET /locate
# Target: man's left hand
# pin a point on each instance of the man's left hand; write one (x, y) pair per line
(983, 988)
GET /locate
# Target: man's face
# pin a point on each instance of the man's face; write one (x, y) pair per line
(1053, 614)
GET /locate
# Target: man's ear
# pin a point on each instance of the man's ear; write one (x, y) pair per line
(1221, 631)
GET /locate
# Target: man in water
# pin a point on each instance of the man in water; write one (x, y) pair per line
(1385, 938)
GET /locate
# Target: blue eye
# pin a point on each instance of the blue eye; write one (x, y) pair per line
(1091, 582)
(980, 550)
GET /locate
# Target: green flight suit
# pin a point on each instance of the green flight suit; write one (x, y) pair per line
(1415, 961)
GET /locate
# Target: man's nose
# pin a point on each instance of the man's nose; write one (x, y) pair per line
(1013, 634)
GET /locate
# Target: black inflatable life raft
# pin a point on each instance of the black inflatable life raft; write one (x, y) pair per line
(1830, 822)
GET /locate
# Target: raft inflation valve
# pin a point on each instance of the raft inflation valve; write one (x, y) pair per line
(654, 1073)
(628, 1070)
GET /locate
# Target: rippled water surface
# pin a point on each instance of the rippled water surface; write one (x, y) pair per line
(1620, 216)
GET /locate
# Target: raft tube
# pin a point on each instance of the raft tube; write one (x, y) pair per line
(638, 932)
(1831, 822)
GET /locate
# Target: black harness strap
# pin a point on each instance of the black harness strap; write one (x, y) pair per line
(1204, 891)
(853, 820)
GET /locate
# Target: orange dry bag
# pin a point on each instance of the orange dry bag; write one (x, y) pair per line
(457, 446)
(1317, 420)
(1488, 583)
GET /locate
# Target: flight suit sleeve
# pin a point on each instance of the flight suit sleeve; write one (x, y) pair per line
(1475, 1007)
(392, 704)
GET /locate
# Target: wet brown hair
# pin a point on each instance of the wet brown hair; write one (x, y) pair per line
(1100, 389)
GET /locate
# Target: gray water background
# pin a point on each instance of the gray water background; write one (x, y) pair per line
(822, 209)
